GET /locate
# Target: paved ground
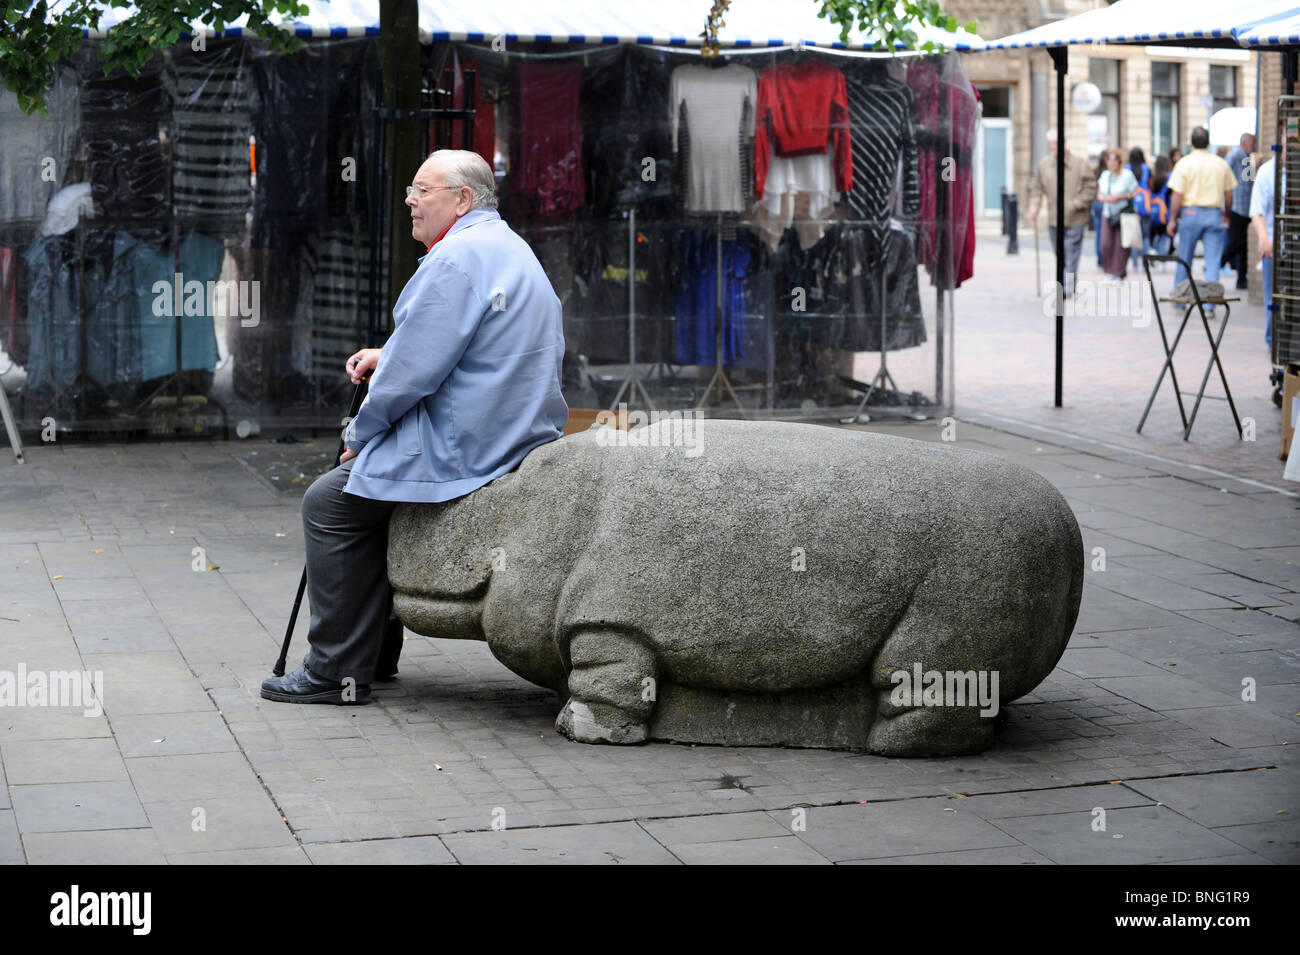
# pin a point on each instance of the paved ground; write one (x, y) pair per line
(170, 569)
(1005, 363)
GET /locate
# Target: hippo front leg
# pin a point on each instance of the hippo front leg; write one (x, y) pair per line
(611, 689)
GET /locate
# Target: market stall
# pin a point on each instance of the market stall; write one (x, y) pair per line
(207, 244)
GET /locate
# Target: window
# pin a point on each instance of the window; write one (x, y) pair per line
(996, 101)
(1105, 74)
(1164, 106)
(1223, 87)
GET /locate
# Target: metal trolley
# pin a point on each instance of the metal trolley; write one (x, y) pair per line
(1286, 241)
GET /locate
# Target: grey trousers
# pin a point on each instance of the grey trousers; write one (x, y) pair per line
(1073, 249)
(347, 578)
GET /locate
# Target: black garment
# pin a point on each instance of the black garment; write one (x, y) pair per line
(314, 115)
(212, 120)
(880, 131)
(862, 290)
(121, 121)
(596, 321)
(1234, 253)
(334, 303)
(841, 279)
(625, 121)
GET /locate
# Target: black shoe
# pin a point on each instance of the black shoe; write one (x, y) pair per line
(302, 686)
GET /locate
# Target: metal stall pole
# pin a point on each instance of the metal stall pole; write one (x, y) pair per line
(719, 376)
(632, 383)
(1060, 59)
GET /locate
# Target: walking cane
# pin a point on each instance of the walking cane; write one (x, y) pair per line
(357, 397)
(1038, 273)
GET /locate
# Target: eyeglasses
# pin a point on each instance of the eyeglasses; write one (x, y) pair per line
(421, 191)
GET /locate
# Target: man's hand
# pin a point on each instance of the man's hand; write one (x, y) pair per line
(1033, 213)
(348, 455)
(1265, 247)
(1171, 228)
(362, 364)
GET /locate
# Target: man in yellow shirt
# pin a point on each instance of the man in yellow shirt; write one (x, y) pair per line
(1200, 188)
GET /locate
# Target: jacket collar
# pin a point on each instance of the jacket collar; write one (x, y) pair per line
(468, 220)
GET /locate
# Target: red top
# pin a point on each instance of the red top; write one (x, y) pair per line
(803, 109)
(441, 234)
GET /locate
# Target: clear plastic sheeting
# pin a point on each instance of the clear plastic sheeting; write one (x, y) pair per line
(218, 273)
(861, 232)
(208, 281)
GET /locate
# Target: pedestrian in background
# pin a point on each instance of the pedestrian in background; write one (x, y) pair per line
(1115, 189)
(1137, 165)
(1242, 166)
(1201, 186)
(1078, 193)
(1095, 209)
(1159, 206)
(1261, 215)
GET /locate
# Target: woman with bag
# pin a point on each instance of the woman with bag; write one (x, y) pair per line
(1115, 191)
(1137, 164)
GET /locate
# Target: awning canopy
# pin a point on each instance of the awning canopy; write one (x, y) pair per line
(751, 23)
(1154, 22)
(1283, 30)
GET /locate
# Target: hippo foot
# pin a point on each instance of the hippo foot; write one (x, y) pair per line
(599, 723)
(611, 689)
(931, 731)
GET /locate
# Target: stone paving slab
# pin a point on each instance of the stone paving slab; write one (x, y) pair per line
(419, 850)
(31, 762)
(1132, 837)
(70, 807)
(1005, 855)
(106, 847)
(621, 843)
(1148, 694)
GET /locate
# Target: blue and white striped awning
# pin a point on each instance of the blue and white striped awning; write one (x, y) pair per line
(750, 23)
(1156, 21)
(1282, 30)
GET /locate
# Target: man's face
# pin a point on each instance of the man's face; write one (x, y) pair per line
(440, 205)
(1051, 145)
(1248, 143)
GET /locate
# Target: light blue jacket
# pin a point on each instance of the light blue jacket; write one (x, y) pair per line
(469, 381)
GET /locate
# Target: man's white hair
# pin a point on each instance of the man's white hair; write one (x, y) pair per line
(465, 168)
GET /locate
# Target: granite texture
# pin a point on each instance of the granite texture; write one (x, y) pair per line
(753, 583)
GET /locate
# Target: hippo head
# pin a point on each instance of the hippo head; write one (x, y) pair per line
(440, 593)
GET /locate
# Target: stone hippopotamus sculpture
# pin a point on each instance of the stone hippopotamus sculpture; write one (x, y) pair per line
(754, 583)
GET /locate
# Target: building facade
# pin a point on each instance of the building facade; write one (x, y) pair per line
(1152, 97)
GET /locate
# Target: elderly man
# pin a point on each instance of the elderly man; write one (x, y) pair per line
(1241, 164)
(1080, 187)
(1200, 189)
(466, 386)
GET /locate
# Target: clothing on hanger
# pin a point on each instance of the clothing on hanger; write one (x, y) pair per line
(696, 308)
(803, 109)
(880, 113)
(719, 115)
(549, 166)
